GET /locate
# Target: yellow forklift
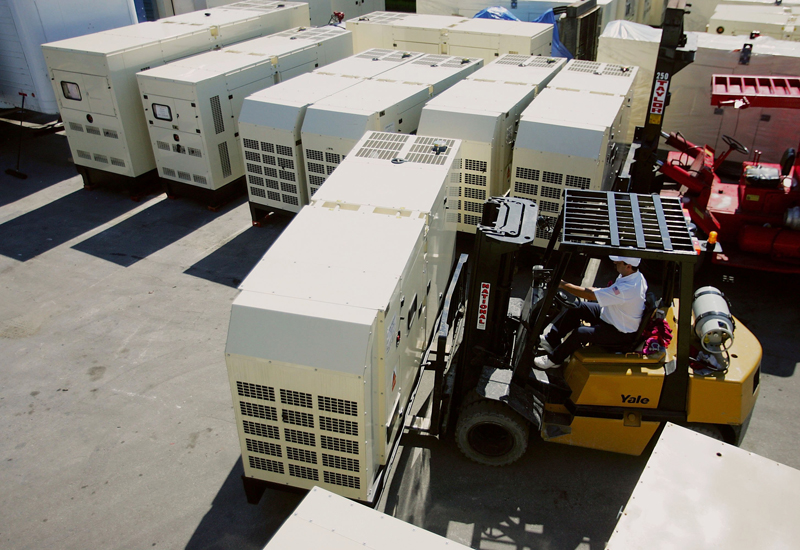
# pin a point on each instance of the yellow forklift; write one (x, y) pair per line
(488, 396)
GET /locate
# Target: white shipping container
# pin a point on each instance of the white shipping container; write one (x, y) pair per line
(450, 35)
(690, 111)
(775, 21)
(392, 102)
(28, 24)
(94, 76)
(483, 111)
(326, 336)
(271, 121)
(192, 105)
(566, 138)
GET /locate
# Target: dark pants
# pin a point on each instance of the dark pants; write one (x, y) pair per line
(599, 332)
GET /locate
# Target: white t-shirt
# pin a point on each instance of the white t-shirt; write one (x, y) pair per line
(623, 302)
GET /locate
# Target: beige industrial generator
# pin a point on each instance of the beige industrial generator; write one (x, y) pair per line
(271, 121)
(566, 139)
(192, 105)
(94, 77)
(483, 111)
(326, 336)
(450, 35)
(776, 21)
(391, 102)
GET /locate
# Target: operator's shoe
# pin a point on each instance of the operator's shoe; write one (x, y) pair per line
(543, 362)
(545, 345)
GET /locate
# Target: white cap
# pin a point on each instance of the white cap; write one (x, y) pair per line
(627, 259)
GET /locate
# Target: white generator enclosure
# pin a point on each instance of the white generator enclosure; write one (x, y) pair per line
(319, 10)
(690, 112)
(326, 336)
(271, 121)
(192, 105)
(333, 125)
(603, 78)
(483, 111)
(94, 76)
(327, 521)
(775, 21)
(450, 35)
(566, 138)
(27, 24)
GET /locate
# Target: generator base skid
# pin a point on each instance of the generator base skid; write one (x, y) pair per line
(213, 199)
(136, 188)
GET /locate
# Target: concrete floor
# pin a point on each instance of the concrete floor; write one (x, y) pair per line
(115, 410)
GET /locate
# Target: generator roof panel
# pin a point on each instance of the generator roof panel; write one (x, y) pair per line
(338, 257)
(532, 70)
(506, 28)
(432, 68)
(369, 63)
(301, 90)
(409, 20)
(592, 76)
(575, 108)
(142, 34)
(767, 14)
(478, 96)
(370, 96)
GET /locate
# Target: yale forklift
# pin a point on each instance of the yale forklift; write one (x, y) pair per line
(488, 396)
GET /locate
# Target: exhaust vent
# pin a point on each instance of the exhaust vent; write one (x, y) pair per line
(216, 111)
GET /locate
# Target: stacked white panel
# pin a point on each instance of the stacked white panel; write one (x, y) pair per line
(690, 111)
(450, 35)
(320, 10)
(192, 105)
(327, 334)
(391, 102)
(566, 138)
(94, 76)
(602, 78)
(483, 111)
(775, 21)
(271, 121)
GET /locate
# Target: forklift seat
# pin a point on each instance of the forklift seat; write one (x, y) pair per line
(650, 310)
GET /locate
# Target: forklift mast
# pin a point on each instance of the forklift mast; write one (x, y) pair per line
(508, 224)
(673, 55)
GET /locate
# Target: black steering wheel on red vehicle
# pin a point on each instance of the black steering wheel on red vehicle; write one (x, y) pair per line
(735, 145)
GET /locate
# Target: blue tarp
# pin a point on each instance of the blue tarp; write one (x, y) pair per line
(557, 49)
(496, 12)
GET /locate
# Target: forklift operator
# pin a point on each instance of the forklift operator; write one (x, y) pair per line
(614, 315)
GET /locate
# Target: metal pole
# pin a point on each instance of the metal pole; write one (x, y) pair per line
(15, 171)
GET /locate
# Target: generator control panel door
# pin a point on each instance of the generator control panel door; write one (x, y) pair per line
(162, 112)
(84, 92)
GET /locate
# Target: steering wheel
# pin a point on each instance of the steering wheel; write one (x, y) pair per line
(567, 300)
(735, 145)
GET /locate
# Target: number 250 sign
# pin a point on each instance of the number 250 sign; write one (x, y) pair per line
(659, 98)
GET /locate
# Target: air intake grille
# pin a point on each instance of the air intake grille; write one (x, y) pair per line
(340, 463)
(76, 127)
(266, 464)
(475, 165)
(340, 426)
(216, 112)
(578, 182)
(255, 391)
(339, 445)
(296, 398)
(340, 406)
(303, 472)
(301, 438)
(163, 145)
(84, 155)
(301, 455)
(526, 188)
(341, 479)
(527, 174)
(297, 418)
(261, 430)
(258, 411)
(93, 130)
(118, 162)
(264, 448)
(511, 59)
(224, 159)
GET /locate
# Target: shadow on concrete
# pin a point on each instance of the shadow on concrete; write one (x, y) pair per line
(555, 497)
(233, 523)
(49, 226)
(148, 231)
(756, 308)
(230, 263)
(44, 158)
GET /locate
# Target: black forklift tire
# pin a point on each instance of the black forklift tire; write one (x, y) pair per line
(490, 433)
(709, 430)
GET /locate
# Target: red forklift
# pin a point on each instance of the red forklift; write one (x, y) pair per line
(757, 219)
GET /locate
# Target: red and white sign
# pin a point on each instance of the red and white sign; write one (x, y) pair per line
(483, 306)
(659, 97)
